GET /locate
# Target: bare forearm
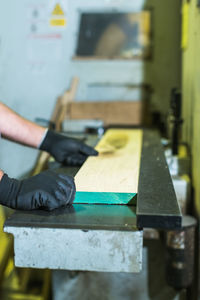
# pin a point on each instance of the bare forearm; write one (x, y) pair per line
(18, 129)
(1, 174)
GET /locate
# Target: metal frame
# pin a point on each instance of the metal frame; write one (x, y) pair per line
(157, 205)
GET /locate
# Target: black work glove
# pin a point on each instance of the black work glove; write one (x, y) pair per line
(47, 190)
(66, 150)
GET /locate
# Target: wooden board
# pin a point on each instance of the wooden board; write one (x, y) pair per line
(111, 177)
(117, 112)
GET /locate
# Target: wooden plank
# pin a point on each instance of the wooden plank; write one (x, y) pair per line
(111, 177)
(116, 112)
(64, 102)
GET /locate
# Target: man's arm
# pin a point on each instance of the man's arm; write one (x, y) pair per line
(63, 149)
(18, 129)
(48, 189)
(1, 174)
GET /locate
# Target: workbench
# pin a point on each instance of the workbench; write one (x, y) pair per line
(101, 238)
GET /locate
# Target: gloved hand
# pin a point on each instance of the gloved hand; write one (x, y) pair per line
(66, 150)
(46, 190)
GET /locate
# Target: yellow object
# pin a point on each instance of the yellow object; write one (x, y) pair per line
(5, 242)
(58, 22)
(57, 11)
(185, 25)
(182, 151)
(191, 92)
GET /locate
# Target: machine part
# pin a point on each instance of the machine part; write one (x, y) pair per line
(157, 205)
(151, 233)
(177, 165)
(90, 237)
(181, 164)
(82, 126)
(176, 100)
(180, 170)
(6, 241)
(25, 284)
(78, 216)
(182, 186)
(180, 254)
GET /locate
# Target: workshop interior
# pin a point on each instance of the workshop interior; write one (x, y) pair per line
(122, 76)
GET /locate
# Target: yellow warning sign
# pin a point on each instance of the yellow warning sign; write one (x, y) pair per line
(58, 22)
(57, 10)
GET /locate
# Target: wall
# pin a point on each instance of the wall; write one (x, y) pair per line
(191, 94)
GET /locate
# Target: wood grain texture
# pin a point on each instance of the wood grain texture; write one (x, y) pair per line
(111, 177)
(117, 112)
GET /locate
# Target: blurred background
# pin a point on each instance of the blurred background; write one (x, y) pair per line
(129, 64)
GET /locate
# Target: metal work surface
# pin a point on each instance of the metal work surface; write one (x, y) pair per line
(78, 216)
(157, 206)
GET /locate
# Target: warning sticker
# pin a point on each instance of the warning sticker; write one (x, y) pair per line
(57, 18)
(58, 22)
(57, 10)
